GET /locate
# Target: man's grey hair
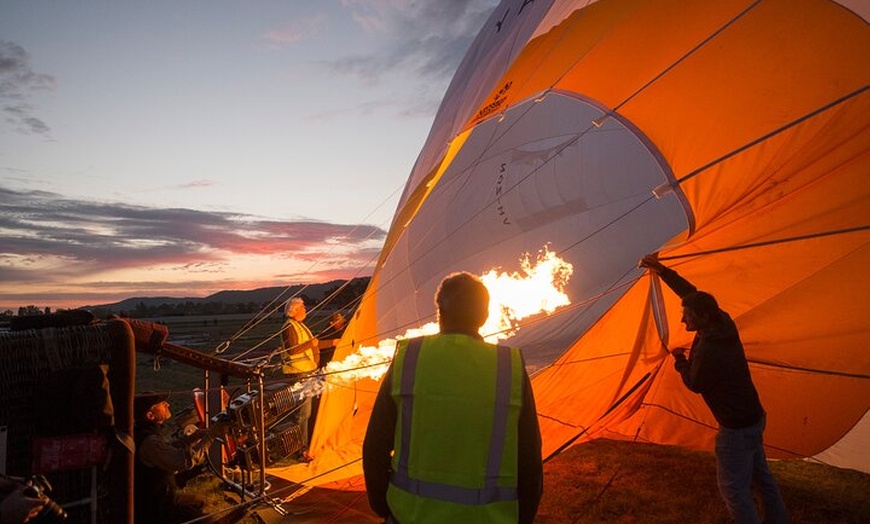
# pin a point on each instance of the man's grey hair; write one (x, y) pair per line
(292, 304)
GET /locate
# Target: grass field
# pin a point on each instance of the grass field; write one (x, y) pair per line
(625, 482)
(597, 482)
(613, 482)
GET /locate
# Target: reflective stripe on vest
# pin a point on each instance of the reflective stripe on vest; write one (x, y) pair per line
(490, 492)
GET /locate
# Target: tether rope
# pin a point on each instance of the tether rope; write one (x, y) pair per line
(697, 47)
(570, 143)
(680, 180)
(593, 126)
(266, 498)
(768, 243)
(775, 132)
(276, 303)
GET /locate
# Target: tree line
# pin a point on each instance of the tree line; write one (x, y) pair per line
(343, 295)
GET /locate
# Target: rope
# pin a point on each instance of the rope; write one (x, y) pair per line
(769, 242)
(816, 371)
(633, 95)
(582, 133)
(682, 179)
(345, 508)
(650, 375)
(276, 303)
(701, 44)
(312, 310)
(267, 498)
(640, 425)
(773, 133)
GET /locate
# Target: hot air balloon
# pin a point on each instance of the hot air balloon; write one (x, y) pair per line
(731, 137)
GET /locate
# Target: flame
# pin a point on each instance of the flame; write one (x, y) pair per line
(537, 288)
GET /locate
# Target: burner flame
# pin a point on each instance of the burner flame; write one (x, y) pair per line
(536, 289)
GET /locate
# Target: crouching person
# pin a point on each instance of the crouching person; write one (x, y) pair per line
(160, 455)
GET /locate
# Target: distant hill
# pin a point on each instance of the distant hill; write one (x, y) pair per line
(314, 293)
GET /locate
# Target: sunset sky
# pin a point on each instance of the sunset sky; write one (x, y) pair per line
(170, 148)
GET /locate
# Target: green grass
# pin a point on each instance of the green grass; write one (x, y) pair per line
(219, 501)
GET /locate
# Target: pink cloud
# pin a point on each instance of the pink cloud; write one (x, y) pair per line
(296, 30)
(55, 243)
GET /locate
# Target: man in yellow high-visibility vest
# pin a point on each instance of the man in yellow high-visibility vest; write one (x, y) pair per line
(301, 358)
(454, 436)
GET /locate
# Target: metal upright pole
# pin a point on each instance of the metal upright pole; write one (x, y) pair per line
(205, 393)
(262, 437)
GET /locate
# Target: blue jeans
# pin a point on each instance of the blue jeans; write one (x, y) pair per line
(303, 410)
(740, 465)
(303, 413)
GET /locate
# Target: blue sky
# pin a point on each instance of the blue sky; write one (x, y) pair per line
(180, 148)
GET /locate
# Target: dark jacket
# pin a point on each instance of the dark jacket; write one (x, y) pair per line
(155, 488)
(717, 367)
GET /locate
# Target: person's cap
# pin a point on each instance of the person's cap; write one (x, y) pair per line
(143, 402)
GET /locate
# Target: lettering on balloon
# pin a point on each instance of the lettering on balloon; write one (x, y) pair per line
(500, 23)
(498, 100)
(499, 189)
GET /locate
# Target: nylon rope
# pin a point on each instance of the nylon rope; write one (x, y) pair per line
(769, 242)
(680, 180)
(655, 289)
(579, 135)
(652, 374)
(611, 479)
(262, 499)
(690, 175)
(781, 129)
(697, 47)
(658, 76)
(275, 304)
(633, 95)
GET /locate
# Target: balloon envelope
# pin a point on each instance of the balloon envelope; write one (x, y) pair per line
(729, 136)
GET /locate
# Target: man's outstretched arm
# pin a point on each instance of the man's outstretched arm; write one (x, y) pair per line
(678, 284)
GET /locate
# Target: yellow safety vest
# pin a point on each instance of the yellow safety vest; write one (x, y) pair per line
(456, 438)
(301, 362)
